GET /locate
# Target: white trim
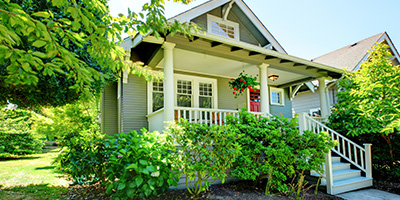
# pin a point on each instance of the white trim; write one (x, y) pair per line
(212, 18)
(197, 11)
(281, 96)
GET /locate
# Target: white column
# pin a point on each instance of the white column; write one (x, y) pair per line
(323, 100)
(264, 103)
(368, 160)
(169, 94)
(329, 173)
(302, 123)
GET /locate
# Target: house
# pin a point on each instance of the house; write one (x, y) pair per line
(350, 57)
(197, 71)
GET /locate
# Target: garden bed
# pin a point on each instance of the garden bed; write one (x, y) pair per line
(230, 191)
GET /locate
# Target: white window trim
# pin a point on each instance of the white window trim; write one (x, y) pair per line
(195, 89)
(235, 25)
(278, 90)
(314, 110)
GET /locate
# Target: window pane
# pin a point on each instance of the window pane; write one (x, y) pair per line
(158, 101)
(205, 102)
(184, 100)
(205, 89)
(222, 29)
(184, 87)
(275, 98)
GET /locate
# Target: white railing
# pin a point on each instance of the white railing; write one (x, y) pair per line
(206, 115)
(321, 119)
(355, 154)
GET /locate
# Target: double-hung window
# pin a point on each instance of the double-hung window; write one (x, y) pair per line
(276, 96)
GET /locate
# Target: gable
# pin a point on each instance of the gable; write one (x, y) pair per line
(251, 30)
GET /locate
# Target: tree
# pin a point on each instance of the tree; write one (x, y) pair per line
(369, 103)
(53, 52)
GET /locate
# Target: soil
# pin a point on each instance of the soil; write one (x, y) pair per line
(388, 186)
(228, 191)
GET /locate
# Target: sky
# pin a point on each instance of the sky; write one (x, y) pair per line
(308, 28)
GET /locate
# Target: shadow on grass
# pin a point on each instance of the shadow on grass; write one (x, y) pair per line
(33, 191)
(47, 167)
(20, 158)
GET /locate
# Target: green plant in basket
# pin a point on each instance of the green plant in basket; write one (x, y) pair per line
(243, 82)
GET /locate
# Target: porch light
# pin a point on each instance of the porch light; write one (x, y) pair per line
(273, 77)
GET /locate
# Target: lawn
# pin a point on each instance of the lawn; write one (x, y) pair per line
(32, 177)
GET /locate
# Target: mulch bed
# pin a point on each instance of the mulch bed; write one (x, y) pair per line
(388, 186)
(229, 191)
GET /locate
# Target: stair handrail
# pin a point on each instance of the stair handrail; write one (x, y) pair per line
(347, 149)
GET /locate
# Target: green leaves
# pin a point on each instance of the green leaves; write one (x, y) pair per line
(138, 180)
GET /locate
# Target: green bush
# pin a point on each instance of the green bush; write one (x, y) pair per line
(273, 148)
(18, 144)
(140, 165)
(206, 152)
(83, 157)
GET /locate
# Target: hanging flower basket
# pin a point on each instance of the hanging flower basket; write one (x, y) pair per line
(243, 82)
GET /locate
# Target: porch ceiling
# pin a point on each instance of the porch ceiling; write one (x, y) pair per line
(218, 56)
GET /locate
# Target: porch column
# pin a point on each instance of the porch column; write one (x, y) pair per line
(169, 94)
(324, 105)
(264, 99)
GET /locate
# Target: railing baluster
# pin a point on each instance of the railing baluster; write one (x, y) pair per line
(191, 117)
(220, 118)
(355, 155)
(343, 146)
(362, 159)
(349, 150)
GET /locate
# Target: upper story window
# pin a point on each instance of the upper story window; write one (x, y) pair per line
(225, 28)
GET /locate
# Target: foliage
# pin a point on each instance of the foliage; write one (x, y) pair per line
(243, 82)
(57, 122)
(83, 157)
(18, 144)
(56, 51)
(274, 148)
(16, 137)
(369, 107)
(206, 152)
(139, 165)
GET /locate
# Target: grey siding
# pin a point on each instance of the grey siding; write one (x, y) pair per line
(304, 101)
(134, 104)
(226, 99)
(109, 110)
(285, 110)
(245, 34)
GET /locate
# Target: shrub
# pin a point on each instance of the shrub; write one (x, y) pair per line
(139, 165)
(18, 144)
(83, 157)
(206, 151)
(274, 148)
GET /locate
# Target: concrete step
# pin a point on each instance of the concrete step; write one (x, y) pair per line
(350, 184)
(335, 159)
(346, 174)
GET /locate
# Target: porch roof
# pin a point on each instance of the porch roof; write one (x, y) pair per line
(296, 70)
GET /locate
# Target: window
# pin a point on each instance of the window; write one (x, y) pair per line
(276, 95)
(184, 93)
(158, 95)
(222, 27)
(205, 95)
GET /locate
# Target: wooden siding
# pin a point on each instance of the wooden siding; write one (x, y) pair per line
(304, 101)
(226, 100)
(285, 110)
(109, 110)
(245, 34)
(134, 104)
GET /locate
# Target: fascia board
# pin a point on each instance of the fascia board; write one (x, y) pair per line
(199, 10)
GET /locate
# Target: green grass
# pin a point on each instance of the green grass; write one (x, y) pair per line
(32, 177)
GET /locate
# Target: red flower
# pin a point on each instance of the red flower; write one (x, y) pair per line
(241, 79)
(252, 90)
(249, 87)
(234, 92)
(234, 88)
(231, 79)
(257, 74)
(244, 81)
(242, 89)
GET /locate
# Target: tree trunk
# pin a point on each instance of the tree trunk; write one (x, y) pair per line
(389, 143)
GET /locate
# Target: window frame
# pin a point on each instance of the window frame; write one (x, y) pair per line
(282, 96)
(212, 18)
(196, 80)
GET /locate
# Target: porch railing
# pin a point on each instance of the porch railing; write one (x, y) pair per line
(357, 155)
(206, 115)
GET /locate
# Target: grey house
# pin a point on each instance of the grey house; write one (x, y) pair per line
(349, 57)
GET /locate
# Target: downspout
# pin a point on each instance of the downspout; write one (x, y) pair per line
(227, 9)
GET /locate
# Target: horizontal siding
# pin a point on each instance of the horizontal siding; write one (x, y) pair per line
(305, 101)
(134, 104)
(226, 99)
(285, 110)
(109, 110)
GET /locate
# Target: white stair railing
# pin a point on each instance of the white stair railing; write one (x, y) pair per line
(355, 154)
(206, 115)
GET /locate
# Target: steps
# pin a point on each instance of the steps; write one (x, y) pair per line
(344, 178)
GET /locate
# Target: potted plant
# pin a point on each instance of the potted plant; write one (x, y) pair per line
(243, 82)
